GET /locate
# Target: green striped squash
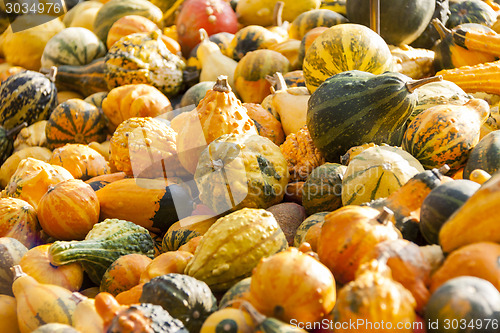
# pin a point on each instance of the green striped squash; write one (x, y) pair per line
(355, 107)
(485, 155)
(342, 48)
(73, 46)
(251, 38)
(26, 97)
(323, 187)
(176, 238)
(301, 233)
(441, 203)
(113, 10)
(376, 173)
(75, 121)
(312, 19)
(11, 252)
(338, 6)
(236, 292)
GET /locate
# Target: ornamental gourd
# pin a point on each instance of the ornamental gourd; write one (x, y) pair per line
(18, 220)
(7, 141)
(311, 19)
(80, 160)
(484, 155)
(124, 273)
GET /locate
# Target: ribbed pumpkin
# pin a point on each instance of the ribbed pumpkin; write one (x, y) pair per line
(312, 19)
(75, 121)
(237, 171)
(312, 283)
(348, 233)
(236, 295)
(219, 112)
(26, 97)
(11, 252)
(323, 188)
(32, 179)
(80, 160)
(251, 71)
(68, 210)
(128, 25)
(345, 47)
(18, 220)
(485, 155)
(124, 273)
(36, 263)
(445, 134)
(377, 172)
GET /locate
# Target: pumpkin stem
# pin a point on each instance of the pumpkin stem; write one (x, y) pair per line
(441, 29)
(17, 271)
(278, 13)
(385, 216)
(16, 129)
(221, 85)
(203, 34)
(414, 84)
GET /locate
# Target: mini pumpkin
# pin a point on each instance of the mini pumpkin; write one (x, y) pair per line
(80, 160)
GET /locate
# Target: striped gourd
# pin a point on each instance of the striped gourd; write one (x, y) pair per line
(470, 12)
(26, 97)
(355, 107)
(75, 121)
(345, 47)
(485, 155)
(251, 38)
(302, 233)
(7, 141)
(72, 46)
(312, 19)
(322, 190)
(235, 293)
(376, 173)
(184, 230)
(338, 6)
(18, 219)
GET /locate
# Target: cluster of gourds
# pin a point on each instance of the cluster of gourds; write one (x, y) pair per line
(251, 166)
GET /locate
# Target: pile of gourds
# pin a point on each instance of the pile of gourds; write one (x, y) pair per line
(251, 166)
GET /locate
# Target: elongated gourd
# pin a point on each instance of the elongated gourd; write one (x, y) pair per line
(482, 41)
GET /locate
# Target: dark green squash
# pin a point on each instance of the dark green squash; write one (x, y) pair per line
(106, 242)
(401, 21)
(462, 302)
(355, 107)
(441, 203)
(237, 291)
(184, 297)
(470, 11)
(26, 97)
(485, 155)
(322, 190)
(428, 38)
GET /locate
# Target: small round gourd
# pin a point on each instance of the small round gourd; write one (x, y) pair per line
(485, 155)
(322, 190)
(80, 160)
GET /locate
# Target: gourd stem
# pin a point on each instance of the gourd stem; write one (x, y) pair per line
(52, 74)
(256, 316)
(277, 13)
(16, 129)
(441, 171)
(203, 34)
(385, 216)
(414, 84)
(441, 29)
(18, 272)
(221, 84)
(77, 297)
(280, 81)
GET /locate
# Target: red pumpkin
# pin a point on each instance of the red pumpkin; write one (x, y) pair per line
(212, 15)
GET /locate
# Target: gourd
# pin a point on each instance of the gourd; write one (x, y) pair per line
(323, 59)
(113, 237)
(184, 297)
(130, 296)
(478, 259)
(26, 97)
(441, 203)
(133, 100)
(151, 203)
(312, 19)
(100, 181)
(301, 154)
(219, 112)
(85, 316)
(252, 38)
(298, 272)
(377, 172)
(11, 252)
(228, 320)
(75, 121)
(73, 46)
(465, 298)
(267, 125)
(68, 210)
(290, 49)
(7, 142)
(479, 176)
(55, 328)
(213, 62)
(470, 12)
(484, 155)
(31, 136)
(18, 220)
(348, 233)
(81, 161)
(82, 14)
(221, 259)
(444, 134)
(37, 265)
(341, 113)
(124, 273)
(193, 96)
(40, 303)
(251, 72)
(413, 62)
(184, 230)
(32, 179)
(8, 315)
(429, 36)
(290, 104)
(142, 146)
(322, 190)
(310, 230)
(251, 166)
(474, 221)
(127, 25)
(236, 295)
(166, 263)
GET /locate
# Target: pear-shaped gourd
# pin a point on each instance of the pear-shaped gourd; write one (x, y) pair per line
(213, 62)
(85, 317)
(355, 107)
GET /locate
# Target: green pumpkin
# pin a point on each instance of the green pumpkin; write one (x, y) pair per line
(485, 155)
(195, 94)
(185, 298)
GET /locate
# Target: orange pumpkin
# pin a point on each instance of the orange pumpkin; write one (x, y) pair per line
(69, 210)
(18, 220)
(350, 232)
(124, 273)
(292, 285)
(166, 263)
(36, 263)
(267, 125)
(80, 160)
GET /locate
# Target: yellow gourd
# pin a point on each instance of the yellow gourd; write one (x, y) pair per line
(213, 62)
(8, 314)
(85, 317)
